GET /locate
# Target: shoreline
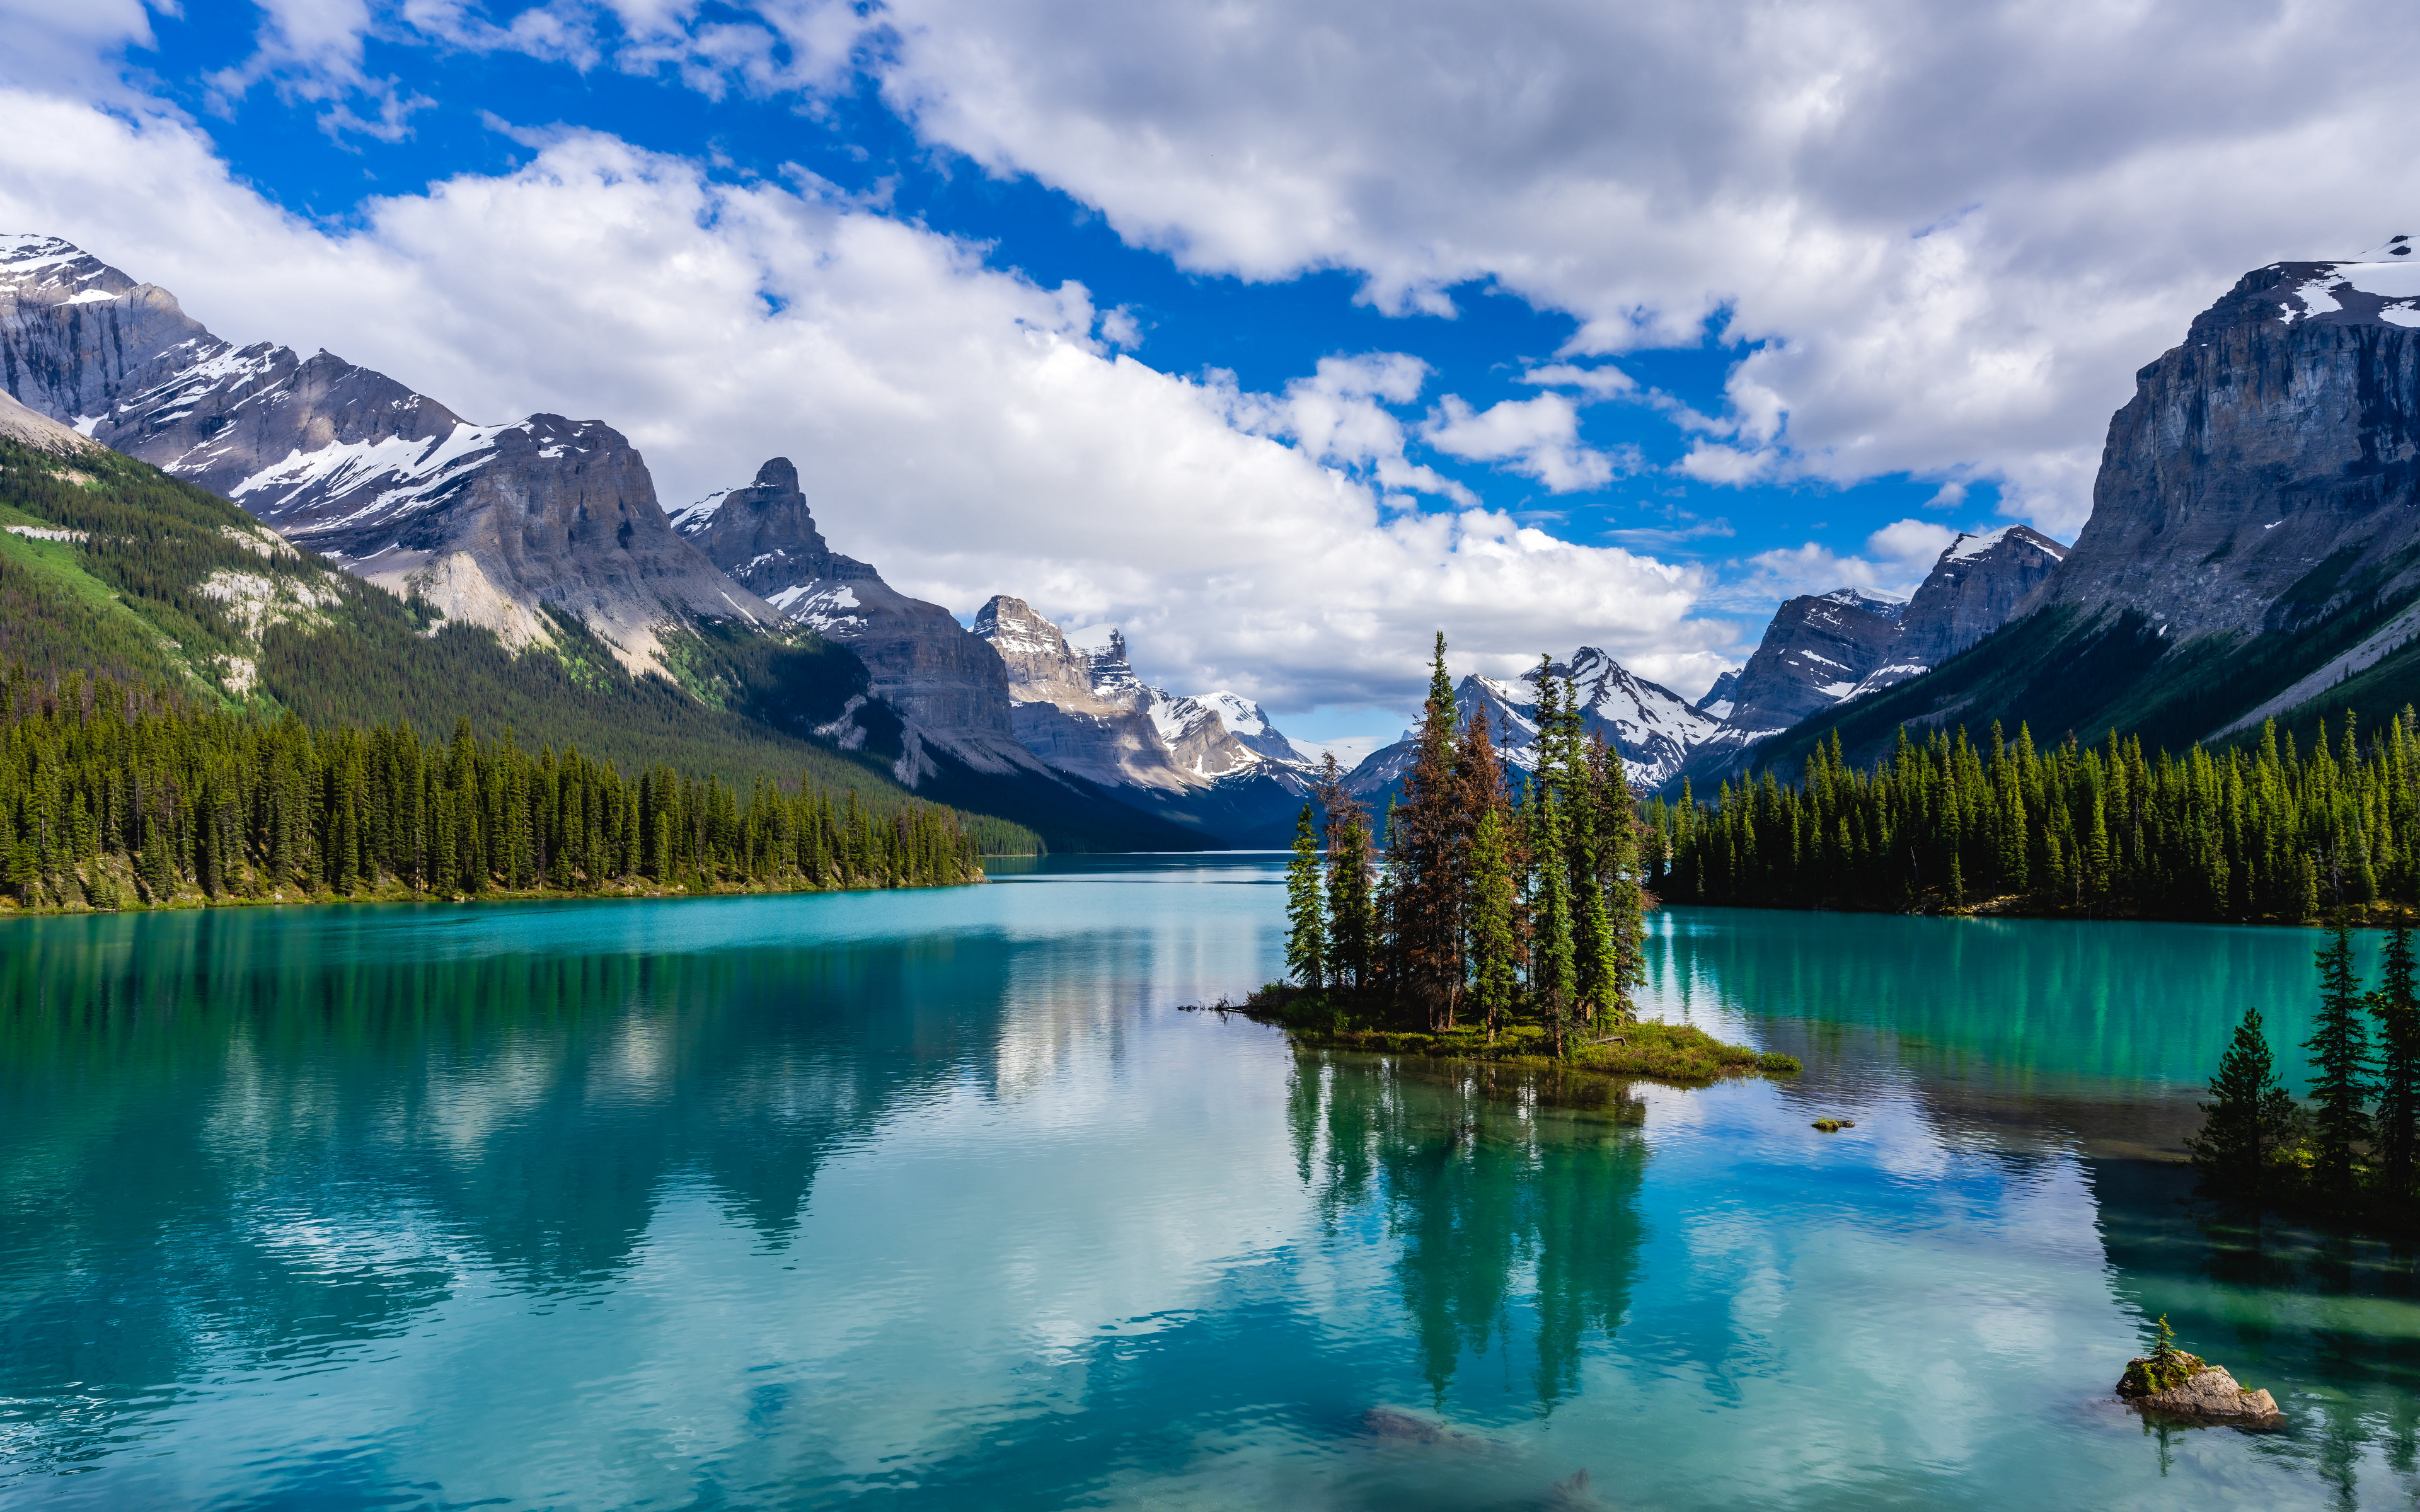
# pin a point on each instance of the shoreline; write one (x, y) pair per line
(196, 902)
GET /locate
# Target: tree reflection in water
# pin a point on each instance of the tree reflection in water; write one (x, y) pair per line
(1514, 1193)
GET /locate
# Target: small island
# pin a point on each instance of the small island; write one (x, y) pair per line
(1503, 918)
(2169, 1382)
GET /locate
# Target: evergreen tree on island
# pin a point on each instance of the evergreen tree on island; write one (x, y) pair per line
(1306, 915)
(2339, 1050)
(2250, 1123)
(2398, 1079)
(1522, 910)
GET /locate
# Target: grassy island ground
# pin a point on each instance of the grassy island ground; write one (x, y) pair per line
(1666, 1052)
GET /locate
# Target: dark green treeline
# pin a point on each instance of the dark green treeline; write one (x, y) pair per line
(2263, 832)
(110, 797)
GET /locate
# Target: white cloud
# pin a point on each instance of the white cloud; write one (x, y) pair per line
(1714, 462)
(1787, 572)
(1338, 416)
(1601, 382)
(1952, 231)
(961, 428)
(1538, 437)
(1911, 544)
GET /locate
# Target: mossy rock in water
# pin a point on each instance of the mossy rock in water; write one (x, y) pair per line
(2165, 1370)
(1835, 1125)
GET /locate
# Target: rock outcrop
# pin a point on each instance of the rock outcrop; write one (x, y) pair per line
(947, 685)
(496, 525)
(1974, 587)
(1081, 708)
(41, 432)
(2170, 1382)
(2211, 1395)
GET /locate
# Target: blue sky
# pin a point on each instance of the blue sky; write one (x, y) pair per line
(296, 151)
(1821, 288)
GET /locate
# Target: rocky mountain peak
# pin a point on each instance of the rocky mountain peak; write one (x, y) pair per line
(764, 538)
(1042, 666)
(495, 525)
(1973, 588)
(2267, 470)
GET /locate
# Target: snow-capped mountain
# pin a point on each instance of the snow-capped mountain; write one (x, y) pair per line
(1080, 707)
(947, 686)
(1651, 728)
(496, 525)
(2253, 547)
(1829, 649)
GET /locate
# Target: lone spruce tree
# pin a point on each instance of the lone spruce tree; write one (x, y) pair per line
(1352, 916)
(1491, 881)
(2339, 1049)
(1306, 915)
(2398, 1067)
(1554, 970)
(2250, 1123)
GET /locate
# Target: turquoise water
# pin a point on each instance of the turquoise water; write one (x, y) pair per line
(937, 1199)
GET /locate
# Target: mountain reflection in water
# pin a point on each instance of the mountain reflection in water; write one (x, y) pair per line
(935, 1200)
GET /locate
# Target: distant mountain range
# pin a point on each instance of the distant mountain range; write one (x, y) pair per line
(2255, 546)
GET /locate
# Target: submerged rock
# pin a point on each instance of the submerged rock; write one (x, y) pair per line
(1400, 1427)
(1835, 1125)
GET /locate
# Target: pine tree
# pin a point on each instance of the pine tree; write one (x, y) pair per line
(1425, 844)
(2339, 1052)
(1352, 924)
(1306, 919)
(2250, 1124)
(2398, 1080)
(1494, 949)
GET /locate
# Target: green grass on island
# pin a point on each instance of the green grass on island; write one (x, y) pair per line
(1666, 1052)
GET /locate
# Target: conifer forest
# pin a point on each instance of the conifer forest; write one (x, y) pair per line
(2260, 832)
(113, 796)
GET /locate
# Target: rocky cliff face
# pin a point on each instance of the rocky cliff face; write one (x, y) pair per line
(1973, 588)
(2268, 464)
(1081, 708)
(495, 525)
(948, 685)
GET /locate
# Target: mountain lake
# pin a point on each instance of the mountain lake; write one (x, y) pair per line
(941, 1200)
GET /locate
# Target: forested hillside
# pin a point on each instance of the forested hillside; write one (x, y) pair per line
(2265, 831)
(110, 569)
(110, 797)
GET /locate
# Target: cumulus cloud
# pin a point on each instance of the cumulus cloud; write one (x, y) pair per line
(1946, 236)
(1895, 561)
(965, 429)
(1911, 544)
(1339, 415)
(1537, 438)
